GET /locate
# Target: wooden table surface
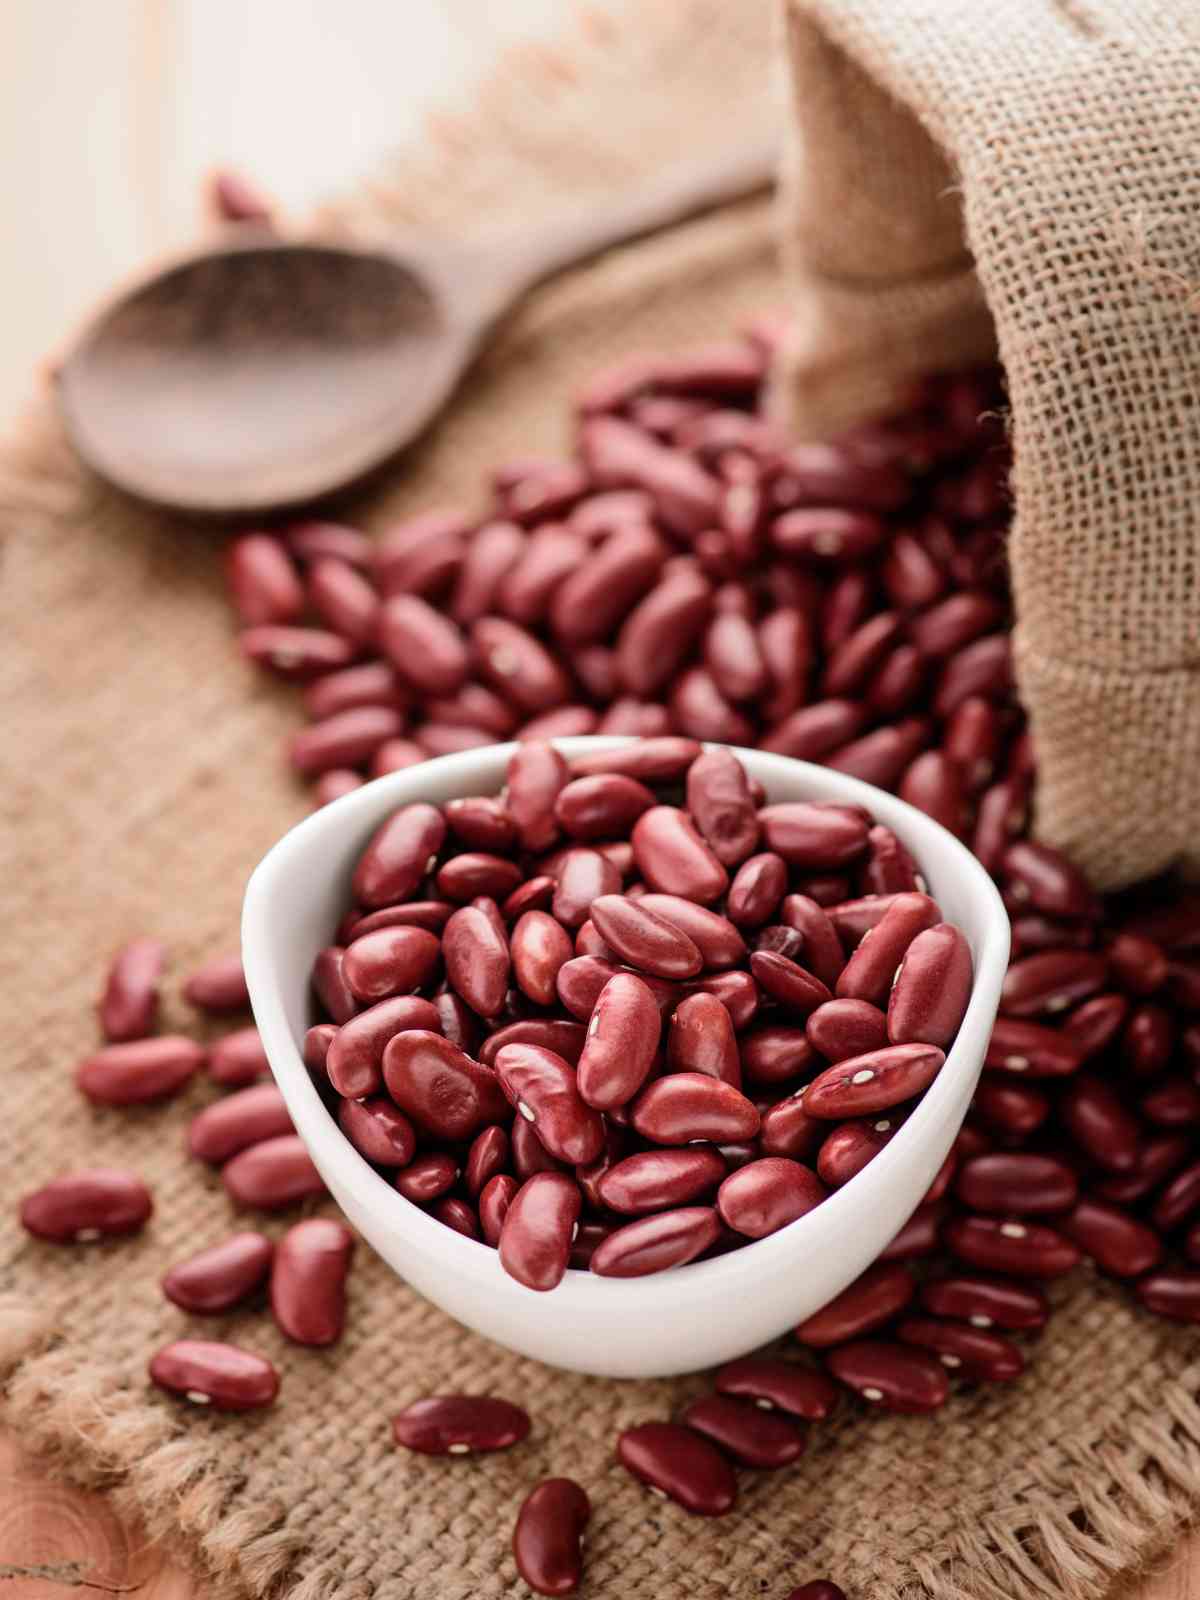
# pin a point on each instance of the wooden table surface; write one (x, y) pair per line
(53, 1539)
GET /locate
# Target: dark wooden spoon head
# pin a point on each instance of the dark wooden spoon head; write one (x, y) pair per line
(261, 377)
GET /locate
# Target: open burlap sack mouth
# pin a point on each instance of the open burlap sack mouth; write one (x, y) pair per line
(144, 785)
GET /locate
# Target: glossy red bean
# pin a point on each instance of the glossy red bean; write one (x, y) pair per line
(757, 889)
(1118, 1243)
(1001, 814)
(584, 876)
(529, 1154)
(262, 581)
(355, 1059)
(1148, 1040)
(330, 985)
(1051, 981)
(89, 1204)
(548, 1538)
(842, 1029)
(272, 1174)
(398, 855)
(811, 836)
(298, 653)
(1174, 1294)
(1179, 1201)
(932, 988)
(775, 1053)
(346, 739)
(439, 1086)
(986, 1302)
(779, 1385)
(717, 939)
(920, 1236)
(787, 1130)
(518, 666)
(1031, 1050)
(1016, 1109)
(238, 1121)
(882, 756)
(678, 1463)
(536, 1236)
(139, 1072)
(373, 683)
(218, 986)
(379, 1132)
(495, 548)
(970, 1352)
(308, 1281)
(753, 1437)
(389, 962)
(869, 1303)
(1092, 1026)
(872, 968)
(674, 859)
(1173, 1103)
(128, 1008)
(972, 740)
(1044, 879)
(701, 1039)
(656, 1243)
(848, 1149)
(737, 992)
(1016, 1183)
(873, 1082)
(686, 1106)
(427, 1178)
(315, 1049)
(477, 960)
(460, 1424)
(1138, 965)
(475, 873)
(643, 939)
(526, 592)
(222, 1276)
(795, 989)
(720, 802)
(766, 1195)
(495, 1198)
(1025, 1249)
(426, 649)
(604, 806)
(542, 1087)
(892, 1376)
(1159, 1156)
(223, 1376)
(539, 947)
(656, 1180)
(1099, 1122)
(238, 1059)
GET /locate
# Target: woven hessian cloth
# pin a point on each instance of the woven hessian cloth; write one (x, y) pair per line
(1057, 139)
(143, 781)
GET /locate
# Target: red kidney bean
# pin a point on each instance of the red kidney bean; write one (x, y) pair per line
(398, 855)
(1116, 1242)
(262, 581)
(644, 939)
(828, 533)
(870, 1302)
(1179, 1200)
(697, 706)
(315, 1049)
(426, 649)
(873, 1082)
(337, 998)
(984, 667)
(734, 657)
(652, 760)
(849, 1148)
(722, 806)
(989, 1357)
(331, 786)
(403, 553)
(812, 836)
(986, 1302)
(1001, 814)
(818, 1589)
(757, 889)
(717, 939)
(678, 1463)
(487, 1157)
(674, 859)
(1025, 1249)
(1174, 1103)
(543, 1089)
(585, 875)
(535, 894)
(910, 575)
(1099, 1123)
(298, 653)
(390, 961)
(139, 1072)
(580, 982)
(1052, 981)
(602, 806)
(737, 992)
(932, 988)
(701, 1039)
(548, 1538)
(1173, 1294)
(476, 873)
(526, 592)
(787, 1130)
(481, 823)
(92, 1203)
(619, 455)
(600, 592)
(754, 1438)
(932, 784)
(343, 599)
(128, 1008)
(1138, 965)
(766, 1195)
(656, 1243)
(355, 1059)
(239, 1120)
(238, 1059)
(378, 1131)
(273, 1174)
(1046, 880)
(308, 1281)
(536, 773)
(393, 755)
(920, 1236)
(657, 1180)
(439, 1086)
(854, 919)
(1016, 1183)
(880, 757)
(431, 915)
(686, 1106)
(221, 1375)
(529, 1154)
(535, 1240)
(495, 1198)
(785, 981)
(1033, 932)
(842, 1029)
(1032, 1050)
(779, 1385)
(219, 986)
(518, 666)
(373, 683)
(427, 1178)
(493, 551)
(871, 970)
(477, 960)
(566, 1039)
(823, 954)
(775, 1053)
(1148, 1041)
(221, 1277)
(1016, 1109)
(972, 739)
(892, 1376)
(448, 739)
(460, 1424)
(1158, 1158)
(1093, 1026)
(539, 946)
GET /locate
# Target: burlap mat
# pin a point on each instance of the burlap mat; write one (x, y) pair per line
(142, 782)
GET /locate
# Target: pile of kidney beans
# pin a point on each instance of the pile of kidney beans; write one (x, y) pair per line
(618, 1028)
(691, 573)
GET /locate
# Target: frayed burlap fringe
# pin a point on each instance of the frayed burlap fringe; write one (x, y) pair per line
(143, 781)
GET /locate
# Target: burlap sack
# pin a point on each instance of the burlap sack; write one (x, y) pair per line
(142, 782)
(1053, 145)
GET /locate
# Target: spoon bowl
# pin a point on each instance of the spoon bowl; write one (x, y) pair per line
(679, 1321)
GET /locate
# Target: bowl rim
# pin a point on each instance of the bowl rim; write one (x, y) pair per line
(355, 814)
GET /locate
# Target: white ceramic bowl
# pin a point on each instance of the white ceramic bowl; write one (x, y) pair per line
(679, 1321)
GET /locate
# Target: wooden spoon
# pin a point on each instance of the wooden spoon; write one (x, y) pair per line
(266, 375)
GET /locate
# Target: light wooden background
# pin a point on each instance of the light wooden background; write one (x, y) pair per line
(111, 113)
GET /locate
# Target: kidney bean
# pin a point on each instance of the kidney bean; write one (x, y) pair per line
(644, 939)
(1033, 932)
(221, 1375)
(1148, 1041)
(942, 1179)
(388, 962)
(1016, 1109)
(141, 1071)
(1093, 1026)
(972, 740)
(779, 1385)
(1025, 1249)
(843, 1029)
(297, 653)
(1032, 1050)
(989, 1357)
(720, 802)
(518, 666)
(398, 855)
(378, 1131)
(870, 1302)
(1179, 1200)
(813, 836)
(330, 985)
(1052, 981)
(1174, 1103)
(818, 1589)
(372, 683)
(529, 1154)
(535, 775)
(757, 890)
(237, 1122)
(535, 1239)
(566, 1039)
(262, 581)
(218, 986)
(873, 1082)
(410, 551)
(548, 1538)
(542, 1088)
(272, 1174)
(600, 592)
(656, 1243)
(1099, 1123)
(737, 992)
(933, 784)
(983, 667)
(526, 592)
(932, 987)
(439, 1086)
(580, 982)
(426, 649)
(427, 1178)
(827, 533)
(1158, 1157)
(734, 657)
(477, 873)
(343, 599)
(787, 1130)
(92, 1203)
(1046, 880)
(475, 708)
(493, 551)
(1174, 1294)
(440, 739)
(394, 755)
(686, 1106)
(221, 1277)
(1016, 1183)
(308, 1281)
(1115, 1241)
(585, 876)
(920, 1236)
(701, 1040)
(495, 1198)
(601, 806)
(674, 859)
(753, 1438)
(893, 1376)
(717, 939)
(986, 1302)
(477, 960)
(315, 1050)
(766, 1195)
(678, 1463)
(790, 984)
(1001, 814)
(775, 1054)
(871, 969)
(355, 1058)
(540, 946)
(331, 786)
(460, 1424)
(657, 1180)
(482, 824)
(128, 1008)
(486, 1159)
(880, 757)
(238, 1059)
(851, 1145)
